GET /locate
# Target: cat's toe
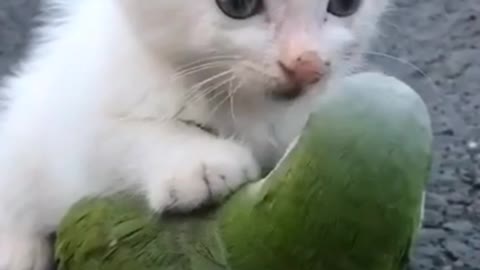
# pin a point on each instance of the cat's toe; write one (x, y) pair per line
(205, 176)
(20, 252)
(225, 172)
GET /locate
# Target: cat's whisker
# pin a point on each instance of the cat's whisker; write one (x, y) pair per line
(210, 59)
(194, 95)
(352, 69)
(407, 63)
(213, 97)
(195, 69)
(257, 68)
(223, 100)
(197, 94)
(208, 91)
(394, 26)
(209, 79)
(232, 100)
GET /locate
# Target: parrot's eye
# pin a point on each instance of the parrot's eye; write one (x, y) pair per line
(343, 8)
(240, 9)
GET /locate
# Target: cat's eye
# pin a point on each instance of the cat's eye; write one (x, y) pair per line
(240, 9)
(343, 8)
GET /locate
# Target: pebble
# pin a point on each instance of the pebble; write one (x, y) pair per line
(474, 208)
(460, 197)
(435, 201)
(455, 211)
(467, 176)
(447, 267)
(456, 249)
(474, 241)
(428, 236)
(432, 219)
(428, 250)
(421, 264)
(472, 145)
(462, 226)
(458, 264)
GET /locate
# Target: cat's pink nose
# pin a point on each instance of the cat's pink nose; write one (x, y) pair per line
(306, 69)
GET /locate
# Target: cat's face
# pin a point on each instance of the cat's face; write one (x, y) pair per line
(278, 48)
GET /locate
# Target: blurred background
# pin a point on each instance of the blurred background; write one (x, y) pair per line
(433, 45)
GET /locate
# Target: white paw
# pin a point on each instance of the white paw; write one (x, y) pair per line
(20, 252)
(199, 173)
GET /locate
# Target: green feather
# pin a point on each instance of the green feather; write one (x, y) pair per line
(348, 196)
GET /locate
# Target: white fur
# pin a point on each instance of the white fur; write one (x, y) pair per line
(95, 107)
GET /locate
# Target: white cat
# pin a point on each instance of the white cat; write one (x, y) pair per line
(114, 96)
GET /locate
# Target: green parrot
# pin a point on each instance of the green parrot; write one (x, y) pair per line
(347, 195)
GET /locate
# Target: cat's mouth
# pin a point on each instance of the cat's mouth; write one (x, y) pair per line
(288, 93)
(297, 83)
